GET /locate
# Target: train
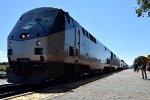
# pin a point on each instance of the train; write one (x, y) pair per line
(47, 43)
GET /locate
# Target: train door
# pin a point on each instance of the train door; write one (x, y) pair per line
(77, 43)
(72, 39)
(69, 39)
(77, 72)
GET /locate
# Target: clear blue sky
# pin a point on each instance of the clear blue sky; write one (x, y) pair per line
(112, 22)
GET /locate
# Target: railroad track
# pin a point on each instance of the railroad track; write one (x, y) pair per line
(13, 89)
(9, 90)
(2, 76)
(7, 86)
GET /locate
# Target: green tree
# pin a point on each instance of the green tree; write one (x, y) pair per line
(140, 59)
(137, 60)
(143, 8)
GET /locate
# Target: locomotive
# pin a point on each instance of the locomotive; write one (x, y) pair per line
(47, 43)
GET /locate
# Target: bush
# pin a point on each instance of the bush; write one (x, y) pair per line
(2, 68)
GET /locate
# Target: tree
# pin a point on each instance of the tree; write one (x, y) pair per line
(143, 8)
(137, 60)
(140, 59)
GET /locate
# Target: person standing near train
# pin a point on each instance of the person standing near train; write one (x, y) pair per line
(136, 67)
(143, 68)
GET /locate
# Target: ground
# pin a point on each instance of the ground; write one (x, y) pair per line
(124, 85)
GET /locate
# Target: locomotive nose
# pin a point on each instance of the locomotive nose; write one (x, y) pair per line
(25, 48)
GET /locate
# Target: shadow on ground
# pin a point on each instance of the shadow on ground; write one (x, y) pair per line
(69, 86)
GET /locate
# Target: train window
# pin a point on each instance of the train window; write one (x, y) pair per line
(83, 31)
(73, 23)
(77, 52)
(91, 37)
(108, 61)
(87, 34)
(105, 48)
(46, 14)
(27, 17)
(94, 40)
(71, 51)
(68, 17)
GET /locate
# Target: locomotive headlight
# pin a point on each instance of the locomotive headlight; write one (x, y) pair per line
(38, 43)
(10, 44)
(28, 35)
(23, 36)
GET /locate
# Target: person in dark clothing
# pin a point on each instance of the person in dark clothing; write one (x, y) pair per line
(136, 69)
(143, 68)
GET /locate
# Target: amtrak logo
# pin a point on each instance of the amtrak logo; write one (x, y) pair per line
(27, 27)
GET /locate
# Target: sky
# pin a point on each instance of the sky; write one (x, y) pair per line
(113, 22)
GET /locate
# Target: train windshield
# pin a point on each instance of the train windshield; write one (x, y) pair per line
(46, 15)
(27, 17)
(35, 22)
(41, 19)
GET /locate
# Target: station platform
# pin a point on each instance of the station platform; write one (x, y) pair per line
(124, 85)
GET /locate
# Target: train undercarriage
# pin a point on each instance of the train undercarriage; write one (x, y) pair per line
(27, 72)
